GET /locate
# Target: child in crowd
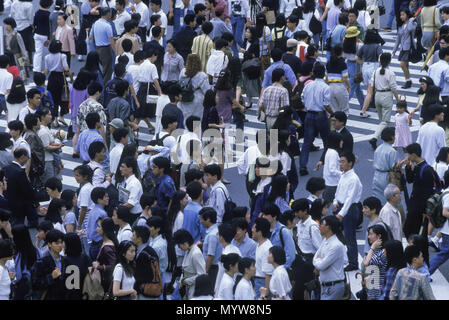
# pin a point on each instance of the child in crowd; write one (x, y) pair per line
(403, 136)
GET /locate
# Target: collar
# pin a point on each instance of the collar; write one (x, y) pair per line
(211, 228)
(347, 173)
(131, 177)
(157, 238)
(96, 164)
(307, 220)
(395, 210)
(17, 163)
(339, 131)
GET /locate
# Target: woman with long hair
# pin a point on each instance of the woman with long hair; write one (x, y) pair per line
(14, 45)
(351, 45)
(203, 288)
(430, 23)
(175, 211)
(92, 65)
(251, 76)
(278, 192)
(331, 170)
(368, 56)
(405, 41)
(123, 275)
(428, 94)
(337, 77)
(200, 84)
(383, 83)
(263, 33)
(107, 256)
(56, 209)
(24, 259)
(78, 94)
(394, 252)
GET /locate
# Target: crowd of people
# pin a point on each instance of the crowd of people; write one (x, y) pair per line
(155, 221)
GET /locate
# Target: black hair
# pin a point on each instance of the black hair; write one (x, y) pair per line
(5, 215)
(293, 19)
(157, 222)
(239, 212)
(414, 148)
(343, 18)
(53, 211)
(54, 184)
(435, 110)
(360, 5)
(94, 148)
(227, 231)
(385, 59)
(395, 254)
(272, 210)
(55, 46)
(278, 188)
(147, 200)
(10, 21)
(32, 92)
(173, 91)
(45, 226)
(316, 209)
(156, 31)
(442, 155)
(388, 134)
(213, 169)
(108, 226)
(228, 36)
(276, 54)
(182, 236)
(174, 207)
(120, 70)
(38, 77)
(189, 18)
(263, 226)
(189, 122)
(443, 10)
(42, 112)
(168, 119)
(207, 27)
(407, 12)
(335, 225)
(349, 157)
(199, 7)
(300, 205)
(16, 125)
(194, 189)
(72, 245)
(315, 184)
(93, 88)
(92, 119)
(162, 163)
(240, 223)
(123, 247)
(209, 99)
(350, 45)
(278, 254)
(193, 174)
(380, 230)
(128, 151)
(318, 70)
(336, 52)
(143, 233)
(208, 213)
(92, 62)
(203, 286)
(31, 121)
(45, 3)
(19, 152)
(333, 140)
(130, 24)
(373, 203)
(123, 213)
(54, 236)
(411, 252)
(85, 171)
(229, 260)
(119, 134)
(136, 18)
(131, 162)
(287, 216)
(68, 195)
(277, 75)
(82, 80)
(6, 248)
(423, 245)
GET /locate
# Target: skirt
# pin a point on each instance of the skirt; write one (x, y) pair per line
(55, 86)
(146, 110)
(404, 56)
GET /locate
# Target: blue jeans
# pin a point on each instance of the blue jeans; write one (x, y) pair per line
(314, 123)
(238, 27)
(442, 256)
(391, 17)
(316, 39)
(3, 104)
(349, 230)
(355, 87)
(324, 33)
(334, 292)
(258, 283)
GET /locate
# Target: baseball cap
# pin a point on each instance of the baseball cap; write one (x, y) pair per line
(117, 123)
(292, 43)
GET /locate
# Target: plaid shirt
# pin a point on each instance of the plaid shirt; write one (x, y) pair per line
(388, 283)
(274, 97)
(410, 284)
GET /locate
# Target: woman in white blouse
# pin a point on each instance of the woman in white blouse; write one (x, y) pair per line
(123, 276)
(331, 171)
(245, 289)
(203, 288)
(6, 253)
(280, 285)
(231, 265)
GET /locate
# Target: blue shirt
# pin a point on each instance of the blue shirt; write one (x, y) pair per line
(247, 247)
(50, 97)
(289, 74)
(289, 245)
(316, 95)
(211, 245)
(338, 35)
(84, 141)
(102, 32)
(444, 82)
(94, 214)
(192, 220)
(165, 189)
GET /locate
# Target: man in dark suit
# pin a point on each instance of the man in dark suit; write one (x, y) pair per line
(184, 37)
(339, 120)
(20, 193)
(144, 256)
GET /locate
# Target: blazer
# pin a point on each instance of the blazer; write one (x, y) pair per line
(348, 143)
(144, 273)
(43, 280)
(107, 257)
(20, 193)
(423, 185)
(405, 36)
(67, 40)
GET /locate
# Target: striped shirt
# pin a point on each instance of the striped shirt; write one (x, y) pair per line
(274, 98)
(379, 260)
(202, 46)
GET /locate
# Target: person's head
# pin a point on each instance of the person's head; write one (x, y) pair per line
(105, 13)
(278, 75)
(141, 234)
(121, 135)
(208, 217)
(401, 107)
(5, 216)
(329, 226)
(335, 140)
(220, 44)
(443, 155)
(371, 207)
(131, 27)
(301, 35)
(24, 245)
(169, 122)
(45, 4)
(156, 32)
(120, 5)
(226, 233)
(120, 70)
(343, 19)
(38, 77)
(251, 33)
(405, 15)
(385, 59)
(395, 254)
(207, 27)
(393, 194)
(190, 122)
(156, 5)
(360, 5)
(55, 46)
(388, 135)
(230, 262)
(377, 232)
(276, 256)
(72, 245)
(53, 187)
(189, 20)
(195, 190)
(316, 186)
(247, 267)
(199, 9)
(94, 3)
(156, 225)
(15, 128)
(261, 229)
(339, 120)
(422, 243)
(128, 166)
(44, 115)
(414, 256)
(292, 22)
(121, 215)
(352, 16)
(203, 286)
(240, 212)
(276, 55)
(147, 200)
(83, 174)
(347, 161)
(194, 174)
(436, 112)
(414, 152)
(337, 51)
(212, 173)
(21, 156)
(161, 166)
(94, 90)
(271, 212)
(99, 196)
(318, 70)
(126, 254)
(55, 241)
(319, 209)
(301, 208)
(106, 229)
(61, 19)
(289, 219)
(241, 228)
(183, 239)
(193, 65)
(444, 13)
(34, 98)
(70, 198)
(228, 37)
(6, 249)
(97, 151)
(93, 120)
(10, 24)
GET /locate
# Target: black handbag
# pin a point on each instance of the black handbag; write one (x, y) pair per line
(315, 26)
(358, 76)
(70, 132)
(415, 56)
(382, 9)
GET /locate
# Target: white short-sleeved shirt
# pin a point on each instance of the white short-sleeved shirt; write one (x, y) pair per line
(84, 200)
(70, 218)
(120, 21)
(147, 72)
(114, 156)
(127, 282)
(244, 290)
(134, 188)
(125, 233)
(280, 283)
(263, 268)
(47, 139)
(134, 71)
(24, 112)
(5, 284)
(164, 19)
(55, 62)
(225, 291)
(5, 81)
(445, 228)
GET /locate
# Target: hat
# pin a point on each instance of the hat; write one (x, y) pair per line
(352, 32)
(427, 80)
(117, 123)
(5, 140)
(292, 43)
(219, 11)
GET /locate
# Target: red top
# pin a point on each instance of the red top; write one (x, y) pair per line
(14, 71)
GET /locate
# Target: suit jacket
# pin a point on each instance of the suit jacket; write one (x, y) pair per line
(20, 193)
(184, 38)
(143, 273)
(67, 39)
(423, 185)
(348, 143)
(43, 280)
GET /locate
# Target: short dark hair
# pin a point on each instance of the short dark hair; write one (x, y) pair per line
(54, 236)
(73, 247)
(168, 119)
(207, 27)
(156, 31)
(443, 10)
(156, 222)
(162, 163)
(373, 203)
(278, 254)
(85, 171)
(55, 46)
(203, 286)
(300, 205)
(189, 18)
(68, 195)
(123, 213)
(173, 91)
(263, 226)
(349, 157)
(199, 7)
(16, 125)
(315, 184)
(272, 210)
(129, 25)
(182, 236)
(193, 174)
(213, 169)
(293, 19)
(127, 45)
(93, 88)
(436, 110)
(220, 43)
(341, 116)
(143, 233)
(53, 183)
(208, 213)
(414, 148)
(229, 37)
(147, 200)
(19, 152)
(277, 75)
(229, 260)
(122, 85)
(189, 122)
(411, 252)
(276, 54)
(226, 231)
(387, 134)
(119, 134)
(156, 2)
(31, 120)
(240, 223)
(194, 189)
(45, 3)
(319, 70)
(354, 11)
(5, 215)
(92, 119)
(32, 92)
(6, 248)
(38, 77)
(120, 70)
(94, 148)
(45, 226)
(97, 194)
(131, 162)
(11, 22)
(343, 18)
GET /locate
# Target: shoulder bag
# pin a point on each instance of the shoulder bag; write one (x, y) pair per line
(358, 76)
(65, 89)
(382, 9)
(415, 56)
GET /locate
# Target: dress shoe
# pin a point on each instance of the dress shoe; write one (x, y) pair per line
(373, 143)
(303, 172)
(433, 245)
(407, 85)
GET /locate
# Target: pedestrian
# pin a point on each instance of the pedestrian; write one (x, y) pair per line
(163, 183)
(184, 37)
(70, 219)
(429, 94)
(338, 33)
(203, 288)
(230, 263)
(280, 285)
(368, 56)
(403, 136)
(218, 193)
(131, 28)
(6, 84)
(14, 44)
(203, 45)
(121, 216)
(37, 149)
(41, 26)
(395, 261)
(422, 243)
(278, 192)
(351, 45)
(431, 137)
(441, 163)
(430, 23)
(34, 100)
(173, 63)
(6, 157)
(65, 34)
(263, 33)
(264, 270)
(245, 289)
(23, 14)
(123, 275)
(89, 136)
(6, 253)
(337, 77)
(130, 190)
(106, 259)
(242, 241)
(56, 210)
(78, 94)
(122, 16)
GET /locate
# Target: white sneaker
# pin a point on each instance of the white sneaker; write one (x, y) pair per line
(436, 241)
(80, 58)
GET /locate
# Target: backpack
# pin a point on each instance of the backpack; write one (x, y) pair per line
(92, 288)
(295, 100)
(437, 186)
(280, 43)
(187, 91)
(154, 288)
(158, 141)
(229, 207)
(315, 26)
(434, 209)
(45, 101)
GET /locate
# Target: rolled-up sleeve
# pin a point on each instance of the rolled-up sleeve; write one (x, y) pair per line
(133, 194)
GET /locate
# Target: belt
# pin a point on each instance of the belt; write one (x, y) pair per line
(335, 81)
(103, 46)
(386, 90)
(96, 242)
(259, 277)
(331, 283)
(316, 112)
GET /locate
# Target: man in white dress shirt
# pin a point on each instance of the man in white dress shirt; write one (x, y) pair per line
(122, 16)
(121, 136)
(431, 137)
(130, 190)
(349, 191)
(329, 260)
(264, 270)
(142, 9)
(390, 214)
